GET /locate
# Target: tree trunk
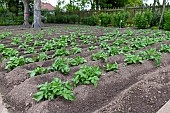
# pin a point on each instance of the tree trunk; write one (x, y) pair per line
(37, 14)
(26, 13)
(163, 10)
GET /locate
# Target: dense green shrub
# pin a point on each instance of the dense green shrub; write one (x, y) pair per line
(61, 18)
(167, 20)
(143, 19)
(155, 20)
(50, 18)
(120, 19)
(72, 18)
(8, 23)
(2, 11)
(92, 21)
(105, 19)
(9, 20)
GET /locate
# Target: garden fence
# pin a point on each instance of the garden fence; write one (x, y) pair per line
(8, 17)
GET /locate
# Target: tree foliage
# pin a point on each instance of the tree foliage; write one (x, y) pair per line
(119, 3)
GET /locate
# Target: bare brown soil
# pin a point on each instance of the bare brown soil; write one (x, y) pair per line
(136, 88)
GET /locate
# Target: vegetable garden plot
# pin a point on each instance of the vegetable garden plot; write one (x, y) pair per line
(73, 69)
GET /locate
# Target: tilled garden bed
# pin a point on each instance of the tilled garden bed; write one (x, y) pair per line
(139, 82)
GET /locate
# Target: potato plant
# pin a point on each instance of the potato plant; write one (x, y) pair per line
(61, 64)
(111, 67)
(87, 75)
(54, 89)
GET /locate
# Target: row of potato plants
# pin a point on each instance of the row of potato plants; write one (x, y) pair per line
(64, 39)
(85, 70)
(90, 74)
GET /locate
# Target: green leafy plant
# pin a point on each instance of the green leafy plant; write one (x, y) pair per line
(5, 34)
(38, 71)
(149, 53)
(118, 42)
(76, 50)
(114, 50)
(105, 19)
(78, 60)
(138, 44)
(164, 48)
(92, 21)
(30, 50)
(23, 45)
(87, 75)
(129, 32)
(150, 41)
(104, 38)
(100, 55)
(152, 54)
(61, 52)
(41, 57)
(83, 37)
(104, 45)
(155, 20)
(72, 18)
(132, 59)
(54, 89)
(2, 47)
(28, 39)
(142, 20)
(167, 18)
(157, 57)
(61, 64)
(111, 67)
(126, 48)
(38, 43)
(61, 43)
(15, 62)
(120, 19)
(92, 48)
(73, 44)
(9, 52)
(48, 46)
(16, 40)
(86, 41)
